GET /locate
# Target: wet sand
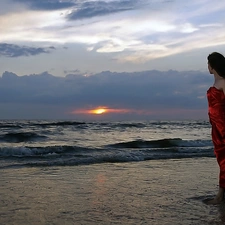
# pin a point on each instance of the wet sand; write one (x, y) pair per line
(156, 192)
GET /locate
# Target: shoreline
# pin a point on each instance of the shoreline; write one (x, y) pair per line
(156, 192)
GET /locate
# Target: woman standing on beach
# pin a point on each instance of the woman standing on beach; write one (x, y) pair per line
(216, 110)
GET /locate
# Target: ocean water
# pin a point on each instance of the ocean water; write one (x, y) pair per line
(104, 173)
(74, 143)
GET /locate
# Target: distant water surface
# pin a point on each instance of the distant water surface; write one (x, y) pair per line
(72, 143)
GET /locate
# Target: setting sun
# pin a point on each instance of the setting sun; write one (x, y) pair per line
(101, 110)
(98, 111)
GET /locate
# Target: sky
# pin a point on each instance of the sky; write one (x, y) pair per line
(131, 59)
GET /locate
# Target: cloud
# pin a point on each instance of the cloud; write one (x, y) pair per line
(11, 50)
(101, 8)
(148, 91)
(46, 4)
(117, 35)
(142, 31)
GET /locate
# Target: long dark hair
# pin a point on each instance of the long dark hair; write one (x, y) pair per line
(217, 62)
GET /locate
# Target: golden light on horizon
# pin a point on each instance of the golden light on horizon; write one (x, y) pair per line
(98, 111)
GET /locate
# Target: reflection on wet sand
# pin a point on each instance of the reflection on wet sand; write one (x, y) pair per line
(156, 192)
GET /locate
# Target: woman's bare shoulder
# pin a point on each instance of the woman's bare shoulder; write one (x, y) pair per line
(220, 84)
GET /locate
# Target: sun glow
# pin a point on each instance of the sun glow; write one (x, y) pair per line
(101, 110)
(98, 111)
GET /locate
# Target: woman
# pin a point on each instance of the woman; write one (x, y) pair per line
(216, 103)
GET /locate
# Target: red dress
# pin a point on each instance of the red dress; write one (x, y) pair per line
(216, 102)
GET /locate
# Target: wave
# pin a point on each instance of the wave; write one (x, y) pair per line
(93, 124)
(10, 125)
(130, 125)
(112, 126)
(42, 151)
(76, 155)
(116, 157)
(21, 137)
(124, 124)
(61, 123)
(161, 143)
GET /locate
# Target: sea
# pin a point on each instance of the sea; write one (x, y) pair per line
(108, 173)
(45, 143)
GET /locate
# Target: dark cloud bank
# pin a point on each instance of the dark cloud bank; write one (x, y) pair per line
(83, 9)
(47, 4)
(91, 9)
(167, 95)
(12, 50)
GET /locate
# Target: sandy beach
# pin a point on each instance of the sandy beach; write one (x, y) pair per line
(156, 192)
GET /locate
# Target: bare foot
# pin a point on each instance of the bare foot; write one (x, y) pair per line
(214, 201)
(218, 199)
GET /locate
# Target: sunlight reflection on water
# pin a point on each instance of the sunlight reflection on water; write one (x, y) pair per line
(156, 192)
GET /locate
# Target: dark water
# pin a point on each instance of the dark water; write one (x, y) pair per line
(77, 172)
(71, 143)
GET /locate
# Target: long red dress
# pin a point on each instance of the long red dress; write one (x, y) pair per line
(216, 110)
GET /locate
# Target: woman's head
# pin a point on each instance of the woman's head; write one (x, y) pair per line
(216, 62)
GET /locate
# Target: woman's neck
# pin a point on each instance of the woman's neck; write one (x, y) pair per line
(217, 77)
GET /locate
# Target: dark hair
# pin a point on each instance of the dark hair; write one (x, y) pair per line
(217, 62)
